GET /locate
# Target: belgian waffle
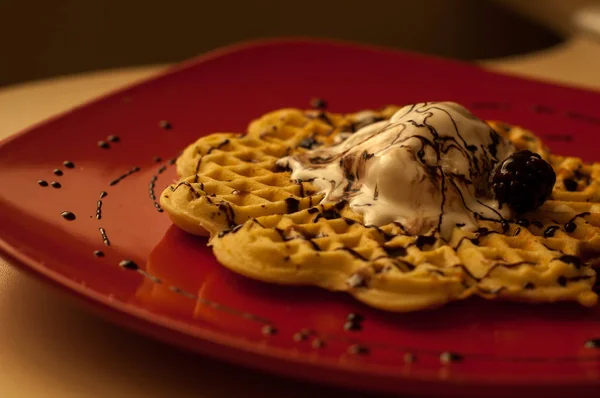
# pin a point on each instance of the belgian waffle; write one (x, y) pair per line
(268, 227)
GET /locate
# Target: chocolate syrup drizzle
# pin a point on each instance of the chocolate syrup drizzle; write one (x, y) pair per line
(99, 209)
(104, 236)
(123, 176)
(199, 162)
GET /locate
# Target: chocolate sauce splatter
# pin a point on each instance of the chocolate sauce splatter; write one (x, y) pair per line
(354, 317)
(128, 264)
(570, 185)
(104, 236)
(42, 183)
(558, 137)
(308, 143)
(543, 109)
(584, 118)
(570, 226)
(103, 145)
(99, 210)
(98, 253)
(103, 194)
(550, 231)
(57, 172)
(68, 164)
(489, 105)
(120, 178)
(318, 343)
(409, 357)
(156, 159)
(151, 187)
(114, 138)
(292, 205)
(166, 125)
(357, 349)
(318, 103)
(67, 215)
(423, 240)
(299, 336)
(592, 343)
(350, 326)
(576, 261)
(55, 184)
(448, 357)
(268, 330)
(529, 286)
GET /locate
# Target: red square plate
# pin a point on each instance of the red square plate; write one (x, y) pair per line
(106, 162)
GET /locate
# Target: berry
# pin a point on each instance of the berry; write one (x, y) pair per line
(523, 181)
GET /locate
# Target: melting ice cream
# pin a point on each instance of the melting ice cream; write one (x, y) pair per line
(426, 168)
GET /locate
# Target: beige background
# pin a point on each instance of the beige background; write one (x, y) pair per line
(41, 38)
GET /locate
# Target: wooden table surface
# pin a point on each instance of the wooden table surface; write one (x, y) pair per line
(50, 347)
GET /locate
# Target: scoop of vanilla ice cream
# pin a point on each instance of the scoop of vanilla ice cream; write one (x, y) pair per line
(426, 168)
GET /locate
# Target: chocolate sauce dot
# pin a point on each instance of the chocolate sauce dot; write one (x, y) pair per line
(67, 215)
(570, 226)
(103, 144)
(353, 317)
(156, 159)
(128, 264)
(409, 357)
(55, 184)
(318, 343)
(351, 326)
(570, 185)
(57, 172)
(358, 349)
(292, 205)
(318, 103)
(164, 124)
(103, 194)
(448, 357)
(268, 330)
(592, 343)
(68, 164)
(576, 261)
(562, 281)
(550, 231)
(523, 222)
(529, 286)
(114, 138)
(98, 253)
(42, 183)
(300, 336)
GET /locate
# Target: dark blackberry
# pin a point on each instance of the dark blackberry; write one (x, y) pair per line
(523, 181)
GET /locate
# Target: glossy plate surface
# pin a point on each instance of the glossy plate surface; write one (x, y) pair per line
(121, 149)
